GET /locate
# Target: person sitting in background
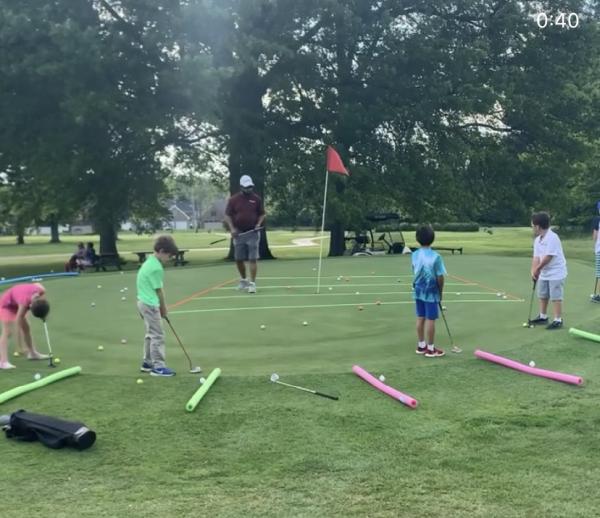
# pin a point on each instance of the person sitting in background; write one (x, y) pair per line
(74, 262)
(90, 258)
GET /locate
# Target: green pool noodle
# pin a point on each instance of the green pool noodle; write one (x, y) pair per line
(584, 334)
(199, 394)
(17, 391)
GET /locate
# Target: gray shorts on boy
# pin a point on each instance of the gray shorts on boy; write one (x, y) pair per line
(553, 290)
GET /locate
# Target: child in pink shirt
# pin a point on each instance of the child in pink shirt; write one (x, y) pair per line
(14, 305)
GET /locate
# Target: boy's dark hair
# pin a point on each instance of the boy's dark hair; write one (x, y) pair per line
(541, 219)
(90, 245)
(165, 244)
(80, 245)
(425, 235)
(40, 308)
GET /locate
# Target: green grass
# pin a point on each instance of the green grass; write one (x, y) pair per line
(485, 441)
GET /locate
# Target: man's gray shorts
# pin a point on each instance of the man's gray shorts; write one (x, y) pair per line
(245, 247)
(552, 290)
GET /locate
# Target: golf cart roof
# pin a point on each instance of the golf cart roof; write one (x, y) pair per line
(382, 216)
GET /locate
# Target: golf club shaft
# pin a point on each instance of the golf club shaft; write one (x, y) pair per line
(307, 390)
(240, 234)
(446, 324)
(531, 301)
(596, 287)
(180, 343)
(47, 338)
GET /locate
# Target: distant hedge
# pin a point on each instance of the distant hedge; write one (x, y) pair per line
(469, 226)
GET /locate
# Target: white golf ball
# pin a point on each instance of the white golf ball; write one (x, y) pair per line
(532, 363)
(498, 294)
(339, 279)
(37, 376)
(305, 323)
(202, 380)
(123, 340)
(93, 304)
(262, 326)
(125, 289)
(357, 293)
(99, 286)
(330, 288)
(504, 297)
(121, 290)
(381, 377)
(444, 308)
(123, 298)
(458, 293)
(122, 272)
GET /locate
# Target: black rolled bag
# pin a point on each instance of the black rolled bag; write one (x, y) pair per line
(50, 431)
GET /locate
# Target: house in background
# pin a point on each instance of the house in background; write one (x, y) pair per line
(182, 216)
(212, 218)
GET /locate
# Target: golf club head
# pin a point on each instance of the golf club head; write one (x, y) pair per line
(274, 377)
(195, 370)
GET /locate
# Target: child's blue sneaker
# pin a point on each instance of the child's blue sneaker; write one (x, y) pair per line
(146, 367)
(162, 371)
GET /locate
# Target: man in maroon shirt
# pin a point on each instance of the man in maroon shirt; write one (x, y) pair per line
(245, 215)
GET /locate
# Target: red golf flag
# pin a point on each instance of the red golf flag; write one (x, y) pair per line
(334, 162)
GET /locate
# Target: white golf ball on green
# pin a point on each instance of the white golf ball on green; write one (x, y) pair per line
(381, 377)
(202, 380)
(37, 376)
(532, 363)
(305, 323)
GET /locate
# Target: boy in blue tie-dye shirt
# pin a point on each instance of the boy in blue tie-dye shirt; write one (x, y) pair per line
(428, 283)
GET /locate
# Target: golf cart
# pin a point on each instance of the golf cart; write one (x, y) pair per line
(382, 237)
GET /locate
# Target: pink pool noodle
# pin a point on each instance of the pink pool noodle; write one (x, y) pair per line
(390, 391)
(558, 376)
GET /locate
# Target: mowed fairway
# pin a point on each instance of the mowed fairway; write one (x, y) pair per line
(484, 441)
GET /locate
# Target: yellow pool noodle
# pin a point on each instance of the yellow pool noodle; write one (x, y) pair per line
(199, 394)
(17, 391)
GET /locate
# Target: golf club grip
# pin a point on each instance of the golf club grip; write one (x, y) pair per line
(335, 398)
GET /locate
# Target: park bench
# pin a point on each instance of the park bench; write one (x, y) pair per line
(178, 258)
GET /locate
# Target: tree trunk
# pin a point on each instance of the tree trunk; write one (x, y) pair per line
(54, 236)
(244, 125)
(337, 243)
(20, 230)
(108, 237)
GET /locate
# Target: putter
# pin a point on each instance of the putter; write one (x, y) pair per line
(193, 370)
(594, 297)
(50, 359)
(529, 324)
(455, 348)
(275, 379)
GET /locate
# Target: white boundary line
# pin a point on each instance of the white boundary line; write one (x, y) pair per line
(352, 286)
(343, 277)
(254, 308)
(362, 293)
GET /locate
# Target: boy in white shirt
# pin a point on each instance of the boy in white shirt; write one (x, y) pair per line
(548, 269)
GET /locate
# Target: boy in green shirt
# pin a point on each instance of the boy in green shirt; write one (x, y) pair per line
(152, 306)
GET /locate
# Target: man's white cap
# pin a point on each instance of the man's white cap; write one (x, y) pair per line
(246, 181)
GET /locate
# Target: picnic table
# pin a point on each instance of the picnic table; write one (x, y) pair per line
(178, 258)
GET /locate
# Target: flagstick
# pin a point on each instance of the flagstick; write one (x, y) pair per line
(322, 231)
